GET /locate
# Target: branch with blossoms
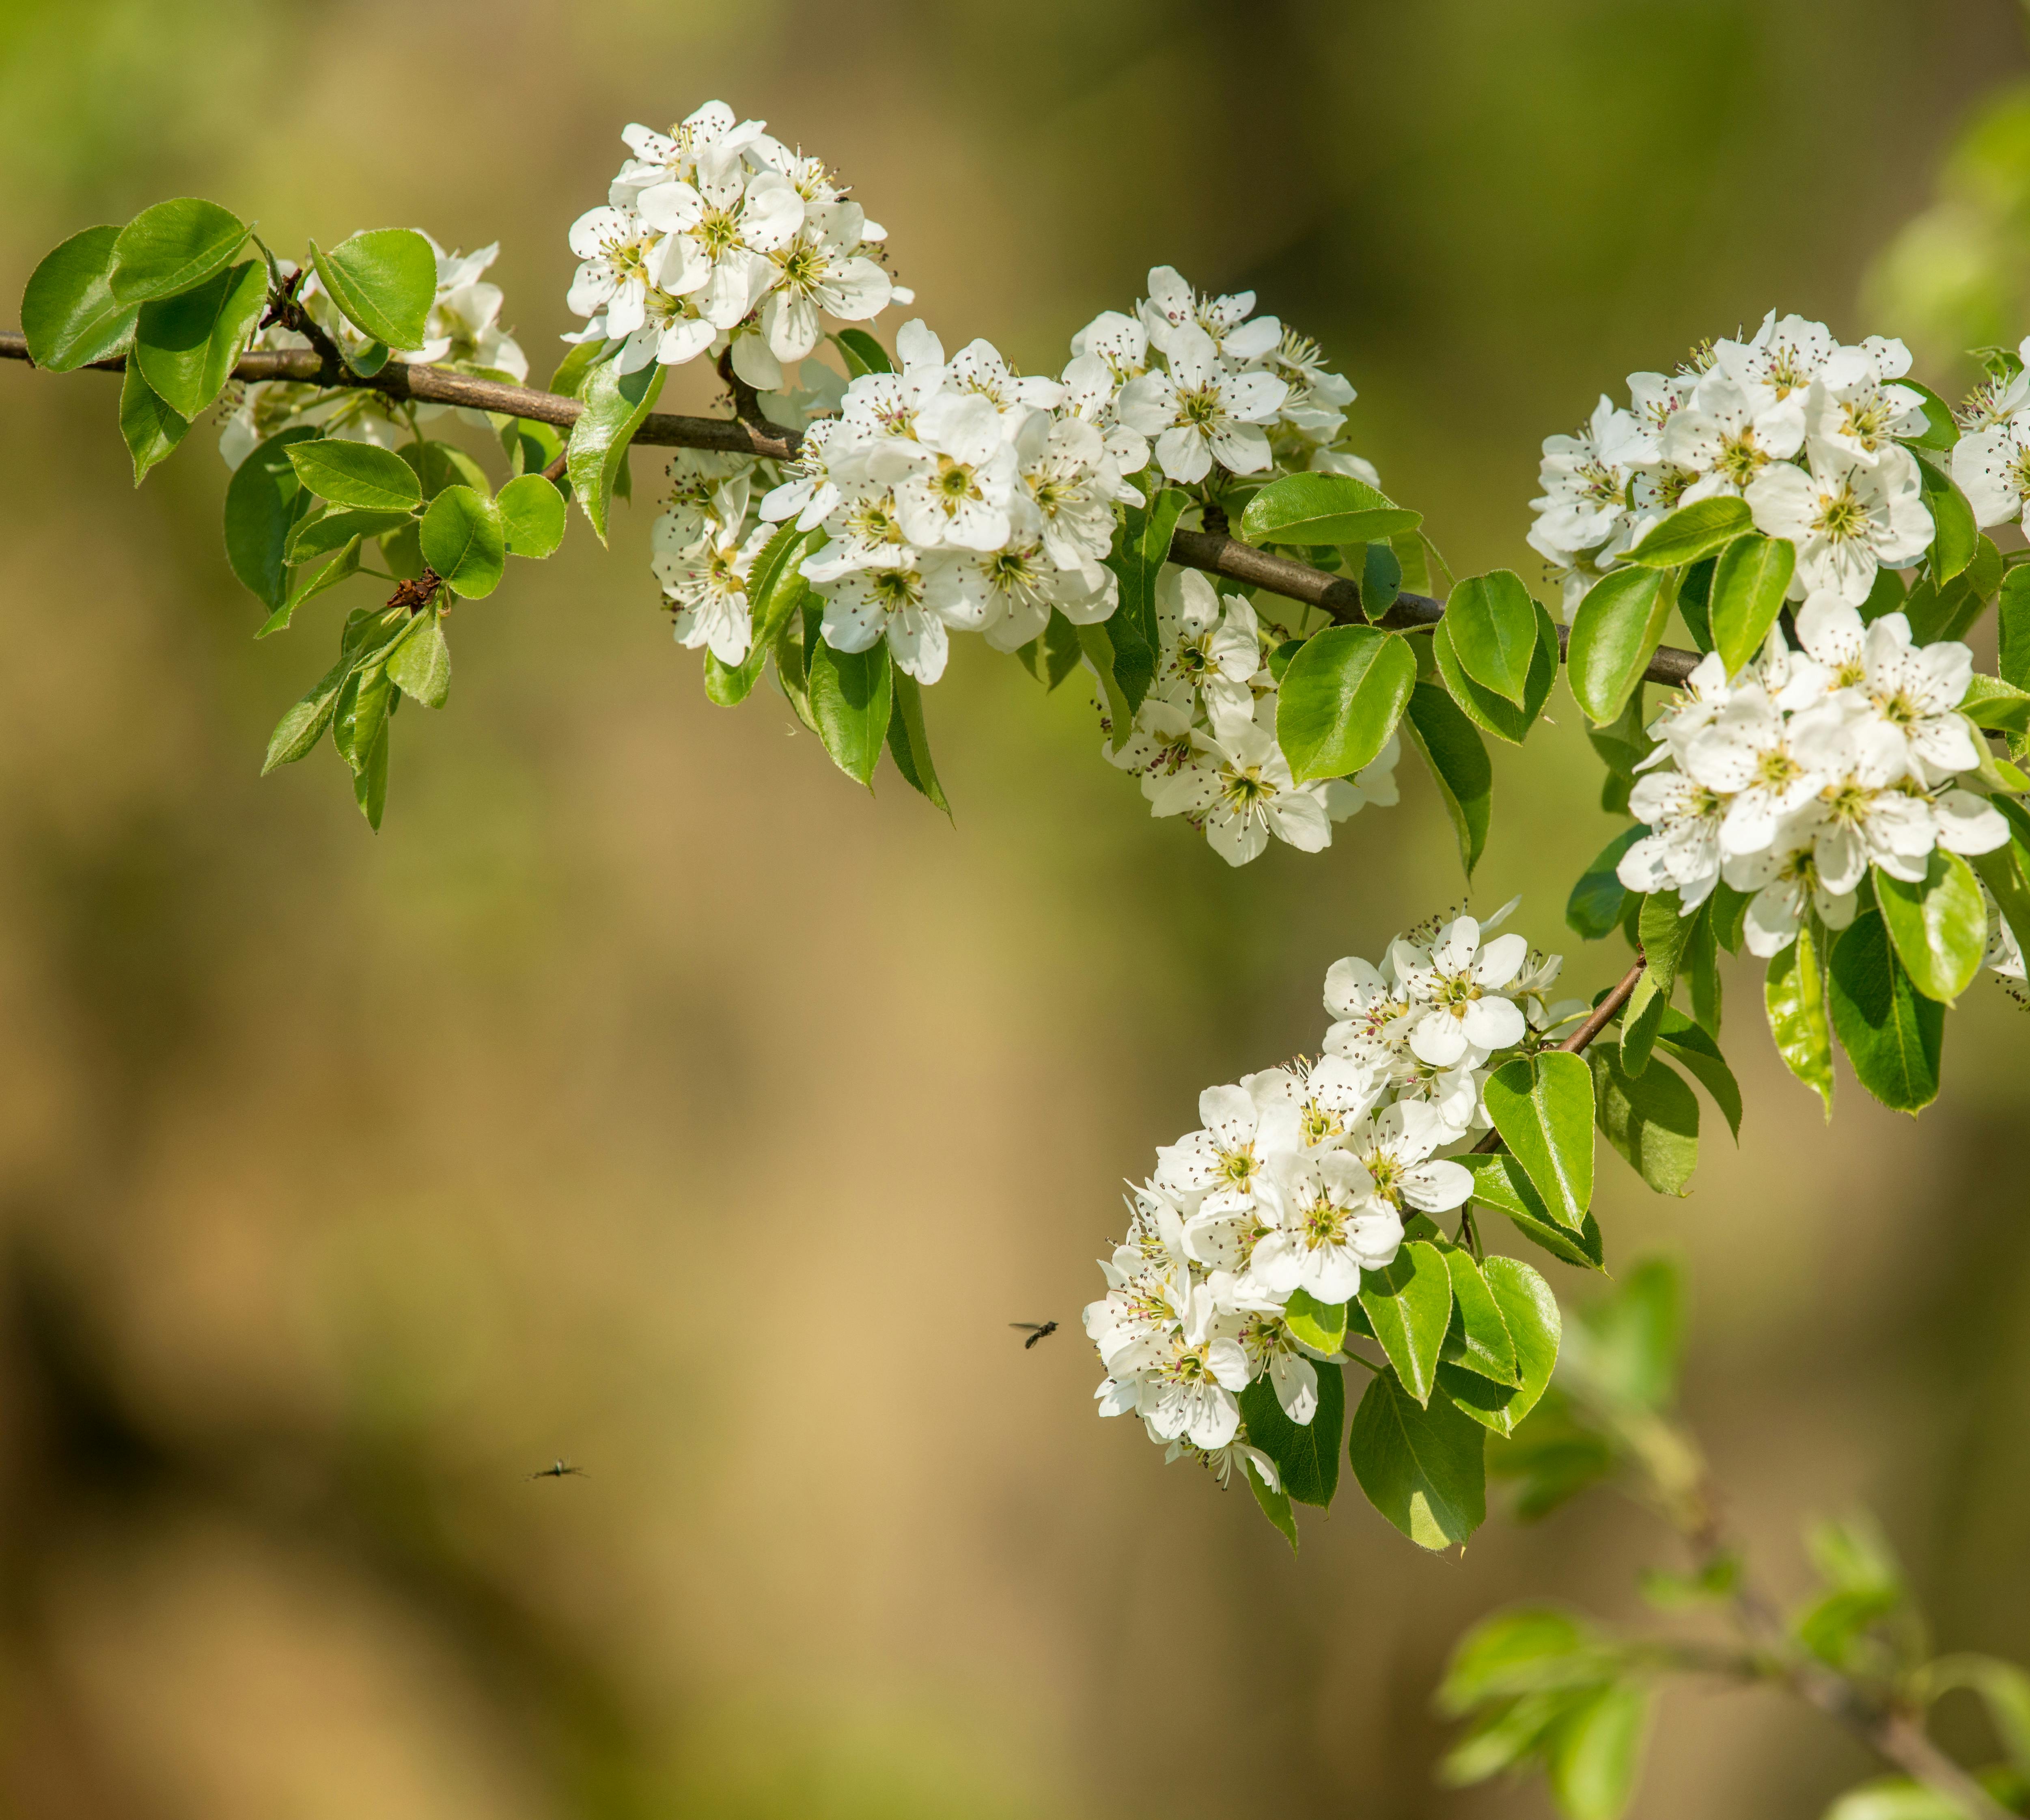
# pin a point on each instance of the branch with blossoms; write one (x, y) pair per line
(1178, 518)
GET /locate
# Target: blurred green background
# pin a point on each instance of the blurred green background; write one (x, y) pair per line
(646, 1094)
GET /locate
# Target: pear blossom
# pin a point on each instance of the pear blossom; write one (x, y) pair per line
(1239, 788)
(1199, 411)
(1847, 518)
(1455, 987)
(1326, 1226)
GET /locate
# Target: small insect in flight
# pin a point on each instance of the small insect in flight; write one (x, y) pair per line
(1036, 1330)
(561, 1469)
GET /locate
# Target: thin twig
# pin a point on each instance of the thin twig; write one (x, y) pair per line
(1210, 551)
(1604, 1014)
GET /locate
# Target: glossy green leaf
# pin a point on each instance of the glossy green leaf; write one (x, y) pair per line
(1341, 698)
(862, 352)
(1663, 930)
(172, 247)
(1698, 966)
(356, 473)
(1274, 1502)
(1892, 1034)
(1140, 549)
(1939, 927)
(186, 345)
(1991, 702)
(1380, 579)
(419, 665)
(1097, 642)
(1500, 1183)
(1490, 623)
(1543, 1107)
(334, 529)
(1695, 602)
(1793, 994)
(1653, 1118)
(384, 280)
(1750, 578)
(1703, 529)
(265, 503)
(850, 694)
(1311, 509)
(909, 744)
(1458, 761)
(615, 403)
(1942, 429)
(1593, 910)
(1955, 536)
(1501, 718)
(533, 516)
(1306, 1454)
(1317, 1323)
(1529, 1315)
(1409, 1305)
(369, 779)
(1937, 610)
(341, 566)
(438, 465)
(1615, 632)
(1696, 1050)
(463, 542)
(1423, 1467)
(152, 430)
(69, 312)
(1477, 1340)
(775, 592)
(2014, 613)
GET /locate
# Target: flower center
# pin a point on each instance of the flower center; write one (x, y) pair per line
(1739, 458)
(1200, 410)
(1843, 517)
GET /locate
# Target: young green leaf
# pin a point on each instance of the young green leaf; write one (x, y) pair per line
(1501, 718)
(1794, 993)
(1458, 762)
(1530, 1315)
(1140, 549)
(1664, 929)
(1274, 1500)
(385, 280)
(1477, 1340)
(1695, 602)
(1750, 578)
(1380, 579)
(172, 247)
(908, 745)
(1615, 633)
(1424, 1467)
(2014, 612)
(1593, 910)
(1409, 1305)
(1686, 1042)
(1595, 1750)
(533, 516)
(1939, 925)
(1653, 1118)
(369, 779)
(69, 312)
(1892, 1034)
(1306, 1454)
(1691, 532)
(1341, 698)
(1955, 537)
(1942, 429)
(615, 403)
(850, 694)
(152, 430)
(334, 529)
(1991, 702)
(345, 564)
(862, 352)
(1317, 1323)
(1948, 609)
(1491, 624)
(1313, 509)
(463, 542)
(419, 665)
(1543, 1107)
(356, 473)
(265, 503)
(1500, 1183)
(438, 465)
(186, 345)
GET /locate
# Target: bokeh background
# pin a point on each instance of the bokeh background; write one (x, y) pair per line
(647, 1094)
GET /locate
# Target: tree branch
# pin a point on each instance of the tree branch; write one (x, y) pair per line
(1211, 550)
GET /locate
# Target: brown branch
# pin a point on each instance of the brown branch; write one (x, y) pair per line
(1604, 1014)
(1211, 550)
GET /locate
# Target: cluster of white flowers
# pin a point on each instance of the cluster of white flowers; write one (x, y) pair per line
(1991, 460)
(1304, 1177)
(1803, 429)
(715, 235)
(1792, 779)
(1204, 739)
(463, 332)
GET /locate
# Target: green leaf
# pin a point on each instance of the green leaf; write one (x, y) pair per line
(2003, 1687)
(1097, 642)
(151, 429)
(1275, 1503)
(1991, 702)
(1458, 761)
(1323, 509)
(297, 734)
(265, 503)
(568, 381)
(1939, 927)
(186, 345)
(1530, 1315)
(1490, 623)
(384, 280)
(1140, 549)
(1955, 536)
(1678, 1037)
(1424, 1468)
(172, 247)
(1750, 578)
(364, 703)
(1652, 1119)
(1500, 1183)
(334, 529)
(356, 473)
(420, 663)
(463, 542)
(1689, 532)
(1551, 1457)
(1542, 1105)
(1948, 609)
(533, 516)
(1699, 963)
(1597, 1750)
(1593, 910)
(438, 465)
(1615, 633)
(615, 403)
(1885, 595)
(1317, 1323)
(1341, 698)
(908, 745)
(69, 312)
(1499, 717)
(345, 564)
(850, 694)
(1893, 1798)
(863, 353)
(1380, 579)
(2002, 872)
(1941, 429)
(1695, 602)
(1793, 994)
(369, 779)
(1306, 1454)
(1530, 1649)
(1477, 1338)
(402, 550)
(1892, 1034)
(2015, 618)
(775, 591)
(1628, 1346)
(1663, 930)
(1409, 1305)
